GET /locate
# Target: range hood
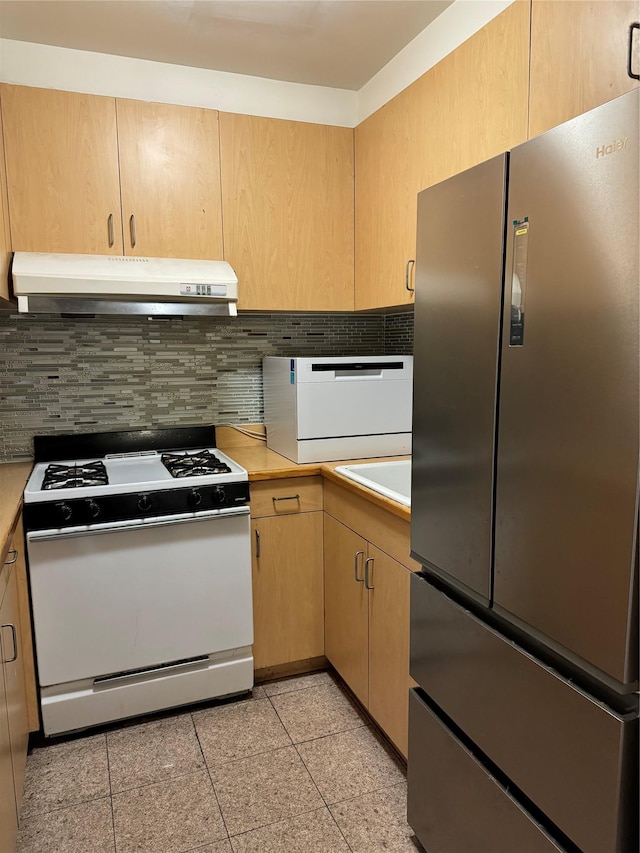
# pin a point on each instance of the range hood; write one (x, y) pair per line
(113, 284)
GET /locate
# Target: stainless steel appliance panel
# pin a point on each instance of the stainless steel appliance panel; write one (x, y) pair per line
(454, 804)
(458, 288)
(560, 747)
(567, 480)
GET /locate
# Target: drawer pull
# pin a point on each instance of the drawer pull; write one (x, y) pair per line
(14, 557)
(287, 498)
(15, 644)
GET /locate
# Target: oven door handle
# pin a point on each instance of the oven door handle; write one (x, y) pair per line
(136, 524)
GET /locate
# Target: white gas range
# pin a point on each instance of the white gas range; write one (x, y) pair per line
(140, 571)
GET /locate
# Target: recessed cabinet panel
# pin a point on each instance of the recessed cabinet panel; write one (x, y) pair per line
(61, 151)
(170, 175)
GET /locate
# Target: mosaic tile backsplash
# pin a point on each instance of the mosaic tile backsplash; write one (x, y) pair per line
(93, 374)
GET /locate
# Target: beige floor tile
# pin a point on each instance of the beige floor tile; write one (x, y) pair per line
(168, 817)
(350, 763)
(63, 774)
(300, 682)
(316, 712)
(377, 822)
(263, 789)
(231, 732)
(313, 832)
(153, 751)
(76, 829)
(218, 847)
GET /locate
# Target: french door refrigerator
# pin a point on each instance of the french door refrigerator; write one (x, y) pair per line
(523, 731)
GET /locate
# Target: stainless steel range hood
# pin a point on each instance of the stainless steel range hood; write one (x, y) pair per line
(113, 284)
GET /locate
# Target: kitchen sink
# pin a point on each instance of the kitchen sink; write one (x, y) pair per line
(391, 479)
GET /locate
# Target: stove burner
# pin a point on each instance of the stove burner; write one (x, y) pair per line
(193, 464)
(75, 476)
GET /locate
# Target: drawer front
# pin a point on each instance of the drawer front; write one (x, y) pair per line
(562, 749)
(453, 803)
(283, 497)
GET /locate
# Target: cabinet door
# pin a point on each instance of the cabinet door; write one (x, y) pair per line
(476, 98)
(287, 200)
(8, 808)
(389, 679)
(388, 148)
(288, 604)
(16, 696)
(5, 235)
(579, 55)
(170, 176)
(61, 152)
(346, 619)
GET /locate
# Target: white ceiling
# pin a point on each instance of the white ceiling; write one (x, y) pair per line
(338, 43)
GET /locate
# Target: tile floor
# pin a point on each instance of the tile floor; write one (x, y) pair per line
(294, 768)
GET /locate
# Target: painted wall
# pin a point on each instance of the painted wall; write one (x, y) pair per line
(119, 76)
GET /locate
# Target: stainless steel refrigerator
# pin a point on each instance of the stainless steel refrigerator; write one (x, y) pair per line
(523, 732)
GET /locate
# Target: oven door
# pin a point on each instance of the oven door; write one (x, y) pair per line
(115, 598)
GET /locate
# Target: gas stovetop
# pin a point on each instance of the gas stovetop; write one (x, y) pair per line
(130, 483)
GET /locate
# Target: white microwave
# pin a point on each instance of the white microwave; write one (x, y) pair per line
(331, 408)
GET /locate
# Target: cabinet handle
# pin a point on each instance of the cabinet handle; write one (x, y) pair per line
(407, 269)
(366, 572)
(15, 644)
(12, 560)
(112, 238)
(132, 230)
(355, 566)
(257, 543)
(287, 498)
(634, 26)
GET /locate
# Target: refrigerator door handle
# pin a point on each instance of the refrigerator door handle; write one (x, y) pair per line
(630, 71)
(518, 281)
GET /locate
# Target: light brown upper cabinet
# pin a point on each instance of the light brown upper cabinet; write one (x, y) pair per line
(170, 177)
(476, 99)
(287, 202)
(5, 234)
(579, 56)
(469, 107)
(70, 156)
(62, 171)
(388, 178)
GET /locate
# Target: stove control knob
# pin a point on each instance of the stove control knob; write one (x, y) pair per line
(218, 495)
(65, 511)
(194, 498)
(93, 508)
(144, 503)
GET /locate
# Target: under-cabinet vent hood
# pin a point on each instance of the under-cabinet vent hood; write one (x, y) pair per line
(112, 284)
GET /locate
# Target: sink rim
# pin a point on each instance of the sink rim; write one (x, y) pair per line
(351, 473)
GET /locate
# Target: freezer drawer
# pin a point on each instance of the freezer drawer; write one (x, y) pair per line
(454, 804)
(569, 754)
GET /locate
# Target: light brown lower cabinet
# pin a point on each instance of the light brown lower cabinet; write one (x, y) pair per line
(288, 601)
(367, 625)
